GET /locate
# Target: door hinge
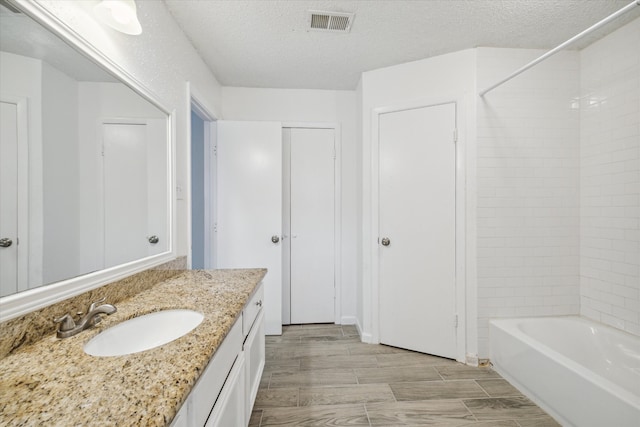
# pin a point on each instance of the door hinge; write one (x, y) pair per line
(455, 320)
(215, 151)
(455, 135)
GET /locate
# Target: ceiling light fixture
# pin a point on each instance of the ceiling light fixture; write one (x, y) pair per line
(120, 15)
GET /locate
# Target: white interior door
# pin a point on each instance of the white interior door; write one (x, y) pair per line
(125, 192)
(417, 216)
(249, 206)
(312, 226)
(8, 199)
(157, 223)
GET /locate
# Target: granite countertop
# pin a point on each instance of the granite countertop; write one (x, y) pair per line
(53, 382)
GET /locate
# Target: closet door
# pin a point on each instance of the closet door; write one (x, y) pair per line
(312, 226)
(249, 207)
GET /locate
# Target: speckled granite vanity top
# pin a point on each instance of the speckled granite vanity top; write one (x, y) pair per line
(53, 382)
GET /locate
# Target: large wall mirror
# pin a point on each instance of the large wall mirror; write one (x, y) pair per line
(85, 165)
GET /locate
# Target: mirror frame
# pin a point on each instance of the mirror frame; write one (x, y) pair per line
(24, 302)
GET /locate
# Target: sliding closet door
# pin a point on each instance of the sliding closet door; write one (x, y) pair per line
(312, 225)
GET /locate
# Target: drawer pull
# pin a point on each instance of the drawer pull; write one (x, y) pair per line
(259, 303)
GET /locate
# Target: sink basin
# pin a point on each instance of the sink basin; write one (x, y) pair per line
(143, 333)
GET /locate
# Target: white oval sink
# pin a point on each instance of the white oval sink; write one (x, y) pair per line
(143, 333)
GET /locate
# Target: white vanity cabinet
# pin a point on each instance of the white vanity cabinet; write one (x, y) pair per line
(254, 348)
(225, 392)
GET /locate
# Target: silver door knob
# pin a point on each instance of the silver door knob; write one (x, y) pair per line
(5, 243)
(153, 239)
(385, 241)
(275, 239)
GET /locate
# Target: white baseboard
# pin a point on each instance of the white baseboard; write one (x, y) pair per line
(471, 359)
(349, 320)
(364, 336)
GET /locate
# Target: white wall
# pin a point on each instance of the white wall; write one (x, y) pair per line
(446, 77)
(61, 251)
(610, 183)
(296, 105)
(22, 77)
(163, 60)
(528, 159)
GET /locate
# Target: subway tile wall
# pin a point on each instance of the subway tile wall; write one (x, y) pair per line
(528, 180)
(610, 179)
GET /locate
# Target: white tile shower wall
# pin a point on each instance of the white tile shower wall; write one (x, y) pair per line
(610, 179)
(528, 183)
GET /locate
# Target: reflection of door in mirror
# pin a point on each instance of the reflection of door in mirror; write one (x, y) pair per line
(8, 198)
(129, 171)
(125, 192)
(57, 198)
(13, 193)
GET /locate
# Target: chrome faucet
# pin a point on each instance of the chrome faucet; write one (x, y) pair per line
(68, 326)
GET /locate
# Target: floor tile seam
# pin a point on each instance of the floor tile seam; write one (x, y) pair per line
(268, 382)
(324, 405)
(366, 411)
(439, 374)
(340, 385)
(319, 369)
(470, 411)
(439, 399)
(261, 415)
(482, 388)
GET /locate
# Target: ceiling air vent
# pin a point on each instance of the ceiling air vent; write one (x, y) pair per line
(338, 22)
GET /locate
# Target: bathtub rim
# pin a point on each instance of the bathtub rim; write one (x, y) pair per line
(509, 325)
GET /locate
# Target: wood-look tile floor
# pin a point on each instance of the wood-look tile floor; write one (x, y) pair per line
(322, 375)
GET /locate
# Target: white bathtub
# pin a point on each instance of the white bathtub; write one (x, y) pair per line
(581, 372)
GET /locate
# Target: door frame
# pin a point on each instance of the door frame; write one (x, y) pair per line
(337, 206)
(196, 104)
(24, 147)
(460, 208)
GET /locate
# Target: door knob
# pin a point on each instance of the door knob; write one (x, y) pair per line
(275, 239)
(5, 243)
(385, 241)
(153, 239)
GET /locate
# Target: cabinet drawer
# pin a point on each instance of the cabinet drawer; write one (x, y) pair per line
(208, 387)
(252, 309)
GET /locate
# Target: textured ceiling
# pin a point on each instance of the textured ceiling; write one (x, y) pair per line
(265, 43)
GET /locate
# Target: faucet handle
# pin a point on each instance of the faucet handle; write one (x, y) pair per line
(66, 323)
(93, 304)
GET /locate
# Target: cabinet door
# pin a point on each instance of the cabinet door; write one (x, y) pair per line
(213, 379)
(229, 410)
(255, 355)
